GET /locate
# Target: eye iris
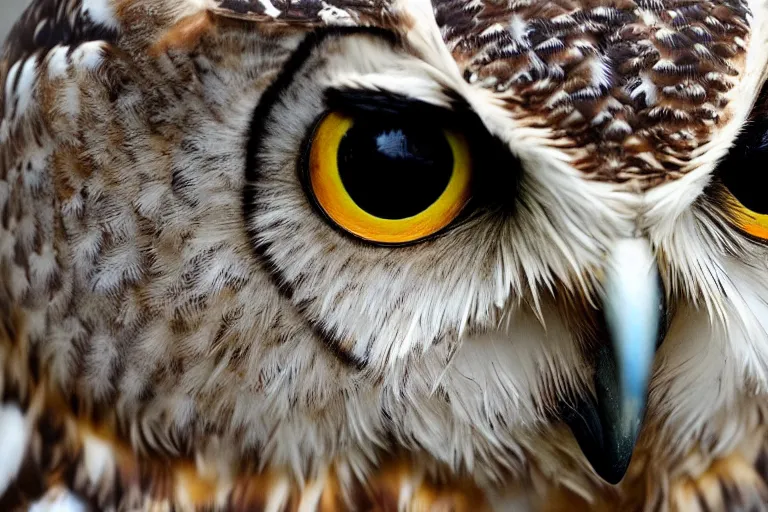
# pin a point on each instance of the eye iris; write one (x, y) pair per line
(394, 172)
(388, 180)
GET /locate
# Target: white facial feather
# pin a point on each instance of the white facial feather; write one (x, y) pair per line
(58, 500)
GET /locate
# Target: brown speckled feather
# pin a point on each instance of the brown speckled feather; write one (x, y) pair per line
(631, 86)
(77, 443)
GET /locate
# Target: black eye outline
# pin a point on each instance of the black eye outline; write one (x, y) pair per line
(495, 169)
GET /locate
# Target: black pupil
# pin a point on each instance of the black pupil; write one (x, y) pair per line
(745, 169)
(392, 171)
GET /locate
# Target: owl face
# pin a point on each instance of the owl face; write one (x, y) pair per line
(387, 170)
(455, 228)
(557, 145)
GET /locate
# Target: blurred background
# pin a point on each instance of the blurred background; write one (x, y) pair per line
(10, 10)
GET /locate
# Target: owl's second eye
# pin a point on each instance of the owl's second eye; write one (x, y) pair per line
(744, 175)
(387, 181)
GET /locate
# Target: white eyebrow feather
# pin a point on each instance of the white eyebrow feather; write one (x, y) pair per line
(406, 84)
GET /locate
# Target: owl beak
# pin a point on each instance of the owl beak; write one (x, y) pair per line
(607, 426)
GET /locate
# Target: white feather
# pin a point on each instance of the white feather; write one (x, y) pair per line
(14, 434)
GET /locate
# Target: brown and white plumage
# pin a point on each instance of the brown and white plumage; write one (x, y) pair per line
(180, 329)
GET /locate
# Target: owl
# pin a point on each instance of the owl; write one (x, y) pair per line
(384, 255)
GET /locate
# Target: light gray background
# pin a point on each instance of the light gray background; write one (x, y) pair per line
(10, 10)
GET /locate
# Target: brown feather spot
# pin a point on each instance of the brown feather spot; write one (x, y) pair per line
(184, 35)
(193, 488)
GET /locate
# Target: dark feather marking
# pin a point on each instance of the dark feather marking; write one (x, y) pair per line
(306, 10)
(761, 465)
(702, 501)
(65, 24)
(332, 342)
(258, 131)
(26, 487)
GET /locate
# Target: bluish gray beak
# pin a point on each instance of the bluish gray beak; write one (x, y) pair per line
(634, 313)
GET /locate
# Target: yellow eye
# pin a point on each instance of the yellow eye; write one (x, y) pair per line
(385, 181)
(743, 178)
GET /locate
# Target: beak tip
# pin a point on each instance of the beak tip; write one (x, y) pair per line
(613, 474)
(609, 452)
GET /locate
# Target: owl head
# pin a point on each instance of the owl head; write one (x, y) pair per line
(499, 234)
(520, 203)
